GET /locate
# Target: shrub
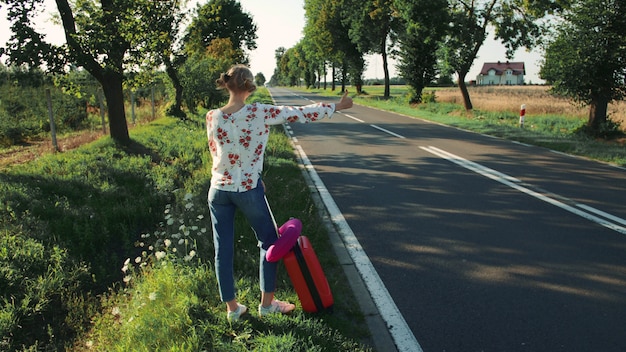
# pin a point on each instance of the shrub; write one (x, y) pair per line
(36, 276)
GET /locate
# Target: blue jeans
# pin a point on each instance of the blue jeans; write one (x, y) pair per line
(222, 205)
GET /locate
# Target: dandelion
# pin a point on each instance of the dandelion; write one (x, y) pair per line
(160, 255)
(152, 296)
(167, 242)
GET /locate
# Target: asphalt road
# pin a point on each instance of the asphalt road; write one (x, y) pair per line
(483, 244)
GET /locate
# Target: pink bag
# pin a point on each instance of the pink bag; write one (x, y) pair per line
(289, 233)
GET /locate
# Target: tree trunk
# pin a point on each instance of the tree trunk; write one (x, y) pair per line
(464, 92)
(597, 112)
(176, 109)
(385, 69)
(114, 93)
(332, 78)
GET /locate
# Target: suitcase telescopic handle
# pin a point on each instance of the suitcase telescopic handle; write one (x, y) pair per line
(271, 213)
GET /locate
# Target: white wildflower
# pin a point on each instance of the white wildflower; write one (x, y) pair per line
(160, 255)
(152, 296)
(189, 256)
(168, 242)
(138, 260)
(115, 311)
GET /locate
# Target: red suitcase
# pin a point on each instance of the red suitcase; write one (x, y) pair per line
(306, 274)
(308, 278)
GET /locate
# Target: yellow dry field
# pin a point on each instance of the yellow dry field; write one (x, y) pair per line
(537, 99)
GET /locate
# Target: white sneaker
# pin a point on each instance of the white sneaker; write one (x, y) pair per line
(276, 307)
(235, 315)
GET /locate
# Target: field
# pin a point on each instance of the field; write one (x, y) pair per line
(537, 99)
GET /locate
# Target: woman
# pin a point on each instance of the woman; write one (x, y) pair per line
(238, 134)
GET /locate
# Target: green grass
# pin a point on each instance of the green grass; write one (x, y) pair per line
(110, 248)
(560, 133)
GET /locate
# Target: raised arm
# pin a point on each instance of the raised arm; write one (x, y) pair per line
(344, 103)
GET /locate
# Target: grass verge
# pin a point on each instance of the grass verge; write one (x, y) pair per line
(109, 248)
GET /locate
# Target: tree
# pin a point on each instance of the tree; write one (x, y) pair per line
(220, 19)
(424, 24)
(586, 61)
(259, 79)
(199, 72)
(372, 26)
(161, 43)
(515, 23)
(327, 30)
(99, 37)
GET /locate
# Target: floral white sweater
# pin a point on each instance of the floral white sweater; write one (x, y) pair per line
(237, 141)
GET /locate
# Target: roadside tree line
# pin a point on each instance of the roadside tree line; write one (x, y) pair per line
(584, 44)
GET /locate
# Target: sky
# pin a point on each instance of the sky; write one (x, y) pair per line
(280, 24)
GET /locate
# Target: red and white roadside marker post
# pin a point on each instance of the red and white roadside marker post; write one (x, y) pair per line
(522, 113)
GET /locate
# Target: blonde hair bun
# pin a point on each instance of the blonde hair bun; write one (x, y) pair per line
(238, 78)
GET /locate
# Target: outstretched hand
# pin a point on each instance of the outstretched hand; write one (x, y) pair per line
(345, 102)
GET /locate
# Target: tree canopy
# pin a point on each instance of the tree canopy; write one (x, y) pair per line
(586, 60)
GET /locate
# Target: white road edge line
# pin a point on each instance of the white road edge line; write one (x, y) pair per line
(398, 327)
(507, 180)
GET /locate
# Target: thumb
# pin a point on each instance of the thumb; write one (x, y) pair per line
(345, 94)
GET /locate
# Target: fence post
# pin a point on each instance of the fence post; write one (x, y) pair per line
(53, 130)
(132, 105)
(101, 98)
(153, 112)
(522, 113)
